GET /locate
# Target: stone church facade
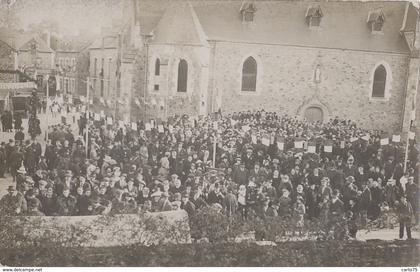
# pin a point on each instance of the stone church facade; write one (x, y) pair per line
(315, 60)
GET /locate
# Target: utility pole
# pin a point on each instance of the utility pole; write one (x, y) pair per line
(215, 128)
(46, 112)
(87, 117)
(407, 145)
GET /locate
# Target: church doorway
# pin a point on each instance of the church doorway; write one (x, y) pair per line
(314, 114)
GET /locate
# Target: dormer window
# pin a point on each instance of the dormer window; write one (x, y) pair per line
(313, 16)
(248, 12)
(376, 20)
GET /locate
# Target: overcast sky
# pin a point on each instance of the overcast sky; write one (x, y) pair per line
(71, 16)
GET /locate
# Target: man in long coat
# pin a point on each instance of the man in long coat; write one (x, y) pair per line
(405, 214)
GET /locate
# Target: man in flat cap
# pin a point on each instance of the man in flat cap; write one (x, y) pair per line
(13, 203)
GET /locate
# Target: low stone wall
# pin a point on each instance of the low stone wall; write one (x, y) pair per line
(302, 253)
(104, 231)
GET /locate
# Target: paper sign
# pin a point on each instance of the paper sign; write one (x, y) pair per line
(328, 148)
(215, 126)
(152, 123)
(102, 113)
(109, 120)
(353, 139)
(396, 138)
(342, 144)
(246, 128)
(411, 135)
(299, 144)
(385, 141)
(134, 126)
(254, 139)
(265, 141)
(280, 145)
(160, 129)
(366, 137)
(311, 149)
(91, 101)
(97, 117)
(171, 128)
(148, 127)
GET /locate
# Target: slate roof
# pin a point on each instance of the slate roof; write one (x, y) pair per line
(71, 44)
(344, 23)
(21, 41)
(109, 42)
(179, 24)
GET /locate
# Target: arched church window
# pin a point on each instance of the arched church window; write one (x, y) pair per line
(157, 67)
(249, 75)
(379, 82)
(182, 76)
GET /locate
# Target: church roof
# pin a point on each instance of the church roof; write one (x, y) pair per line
(344, 23)
(179, 24)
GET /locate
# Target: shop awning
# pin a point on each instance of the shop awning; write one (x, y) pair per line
(17, 88)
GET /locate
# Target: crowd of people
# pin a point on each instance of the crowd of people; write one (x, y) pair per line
(247, 164)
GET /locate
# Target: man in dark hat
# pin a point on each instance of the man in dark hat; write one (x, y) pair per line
(66, 203)
(240, 175)
(364, 203)
(405, 214)
(412, 191)
(19, 136)
(336, 207)
(13, 203)
(187, 205)
(15, 161)
(230, 203)
(248, 158)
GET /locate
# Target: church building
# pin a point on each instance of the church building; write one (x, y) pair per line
(311, 59)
